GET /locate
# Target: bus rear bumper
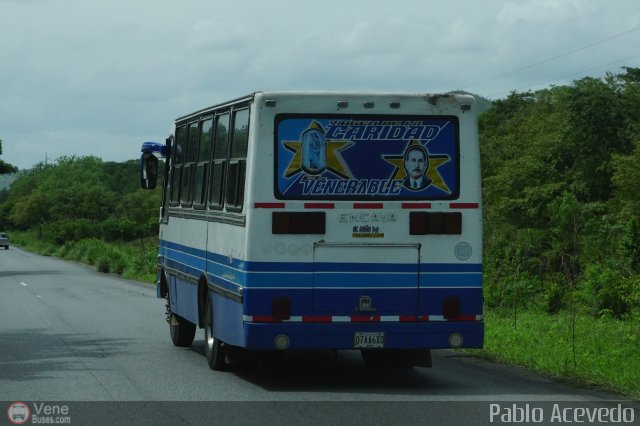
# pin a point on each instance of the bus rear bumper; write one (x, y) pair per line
(350, 335)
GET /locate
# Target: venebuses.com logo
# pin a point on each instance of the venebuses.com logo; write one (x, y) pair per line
(18, 413)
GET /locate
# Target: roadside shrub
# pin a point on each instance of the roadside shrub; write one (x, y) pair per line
(117, 261)
(606, 291)
(87, 250)
(77, 250)
(519, 291)
(111, 259)
(68, 230)
(554, 297)
(103, 264)
(64, 250)
(141, 260)
(95, 248)
(153, 226)
(121, 229)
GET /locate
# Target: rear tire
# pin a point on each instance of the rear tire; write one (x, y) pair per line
(214, 349)
(182, 331)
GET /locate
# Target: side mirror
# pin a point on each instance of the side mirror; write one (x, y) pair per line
(148, 170)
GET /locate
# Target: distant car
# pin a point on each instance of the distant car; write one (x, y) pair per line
(4, 241)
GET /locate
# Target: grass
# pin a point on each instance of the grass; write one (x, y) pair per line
(134, 260)
(605, 352)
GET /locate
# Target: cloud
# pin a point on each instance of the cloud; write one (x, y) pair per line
(217, 35)
(85, 77)
(546, 13)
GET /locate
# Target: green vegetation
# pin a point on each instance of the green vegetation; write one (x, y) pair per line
(562, 226)
(6, 168)
(581, 349)
(562, 230)
(86, 210)
(562, 209)
(134, 260)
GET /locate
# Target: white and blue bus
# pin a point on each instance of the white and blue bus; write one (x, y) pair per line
(323, 221)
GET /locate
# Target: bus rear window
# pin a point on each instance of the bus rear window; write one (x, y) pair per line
(366, 157)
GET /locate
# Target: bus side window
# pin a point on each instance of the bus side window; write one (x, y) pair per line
(219, 161)
(237, 160)
(177, 160)
(189, 169)
(206, 140)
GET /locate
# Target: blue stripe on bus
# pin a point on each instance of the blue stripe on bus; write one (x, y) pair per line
(182, 267)
(329, 280)
(234, 273)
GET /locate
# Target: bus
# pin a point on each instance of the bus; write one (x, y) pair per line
(308, 220)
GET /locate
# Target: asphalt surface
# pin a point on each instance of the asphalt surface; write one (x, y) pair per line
(100, 344)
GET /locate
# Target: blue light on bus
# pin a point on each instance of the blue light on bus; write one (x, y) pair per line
(155, 148)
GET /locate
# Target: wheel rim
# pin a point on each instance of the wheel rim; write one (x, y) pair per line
(209, 340)
(172, 327)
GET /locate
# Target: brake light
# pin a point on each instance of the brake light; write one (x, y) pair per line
(451, 308)
(425, 223)
(281, 308)
(298, 222)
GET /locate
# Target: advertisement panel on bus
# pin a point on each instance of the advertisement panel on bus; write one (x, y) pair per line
(367, 157)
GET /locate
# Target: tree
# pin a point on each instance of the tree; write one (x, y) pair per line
(6, 168)
(81, 197)
(561, 199)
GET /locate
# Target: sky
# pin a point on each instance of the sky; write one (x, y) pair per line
(100, 77)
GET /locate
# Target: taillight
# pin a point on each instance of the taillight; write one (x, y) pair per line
(281, 308)
(425, 223)
(451, 308)
(298, 222)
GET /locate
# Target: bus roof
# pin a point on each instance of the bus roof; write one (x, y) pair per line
(432, 98)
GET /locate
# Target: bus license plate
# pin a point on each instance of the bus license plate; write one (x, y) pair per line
(368, 340)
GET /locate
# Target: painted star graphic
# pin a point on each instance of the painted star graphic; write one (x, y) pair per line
(435, 161)
(335, 162)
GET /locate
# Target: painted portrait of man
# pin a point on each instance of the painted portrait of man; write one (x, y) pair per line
(416, 164)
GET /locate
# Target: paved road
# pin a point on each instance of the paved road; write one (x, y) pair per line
(68, 333)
